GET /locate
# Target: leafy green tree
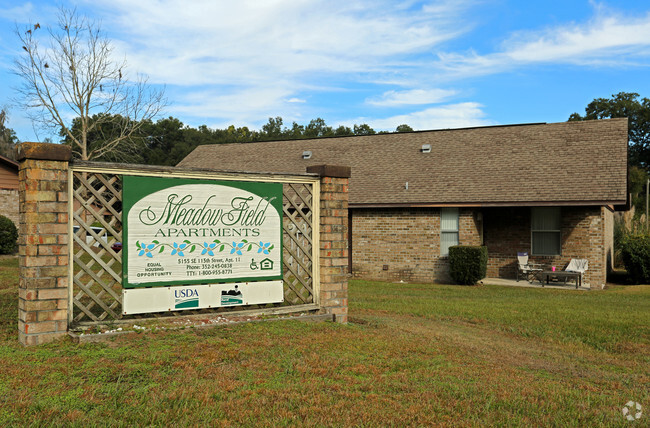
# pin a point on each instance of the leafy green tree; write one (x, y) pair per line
(8, 236)
(296, 132)
(273, 129)
(637, 182)
(363, 129)
(8, 139)
(162, 138)
(317, 128)
(192, 138)
(240, 135)
(625, 104)
(404, 128)
(343, 131)
(637, 178)
(169, 140)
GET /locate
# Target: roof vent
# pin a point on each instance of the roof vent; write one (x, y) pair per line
(306, 154)
(426, 148)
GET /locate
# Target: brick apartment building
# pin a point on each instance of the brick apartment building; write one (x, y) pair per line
(548, 189)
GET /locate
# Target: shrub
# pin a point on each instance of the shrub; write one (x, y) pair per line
(624, 226)
(635, 251)
(8, 236)
(467, 264)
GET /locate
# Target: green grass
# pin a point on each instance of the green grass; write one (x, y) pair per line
(609, 320)
(413, 354)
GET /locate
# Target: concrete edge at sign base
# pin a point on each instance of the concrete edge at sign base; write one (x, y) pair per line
(183, 323)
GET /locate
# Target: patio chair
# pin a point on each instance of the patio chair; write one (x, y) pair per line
(578, 266)
(528, 271)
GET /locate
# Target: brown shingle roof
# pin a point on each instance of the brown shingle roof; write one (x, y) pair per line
(11, 164)
(565, 163)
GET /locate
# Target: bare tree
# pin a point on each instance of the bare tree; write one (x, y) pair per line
(76, 77)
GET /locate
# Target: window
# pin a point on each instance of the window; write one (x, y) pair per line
(448, 229)
(545, 231)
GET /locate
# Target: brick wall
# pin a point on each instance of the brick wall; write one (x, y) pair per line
(9, 204)
(43, 242)
(506, 231)
(333, 297)
(584, 234)
(403, 244)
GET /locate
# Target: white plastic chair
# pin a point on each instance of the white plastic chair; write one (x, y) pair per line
(529, 271)
(578, 266)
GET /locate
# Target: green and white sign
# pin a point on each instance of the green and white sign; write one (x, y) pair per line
(188, 231)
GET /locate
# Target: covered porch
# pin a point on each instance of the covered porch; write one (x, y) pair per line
(552, 236)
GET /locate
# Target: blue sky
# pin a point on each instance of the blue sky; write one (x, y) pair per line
(431, 64)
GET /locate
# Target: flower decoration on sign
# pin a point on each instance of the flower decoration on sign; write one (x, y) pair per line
(237, 248)
(178, 249)
(264, 247)
(146, 249)
(209, 248)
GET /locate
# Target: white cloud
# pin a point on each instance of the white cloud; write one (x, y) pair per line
(411, 97)
(460, 115)
(22, 13)
(256, 102)
(606, 40)
(245, 60)
(210, 42)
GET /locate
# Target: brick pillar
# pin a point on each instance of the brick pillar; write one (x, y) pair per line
(43, 242)
(333, 239)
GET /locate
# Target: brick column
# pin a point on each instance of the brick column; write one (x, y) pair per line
(43, 242)
(333, 239)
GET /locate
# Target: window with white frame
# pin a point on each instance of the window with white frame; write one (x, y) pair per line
(448, 229)
(545, 225)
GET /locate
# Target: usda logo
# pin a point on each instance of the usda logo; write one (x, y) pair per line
(186, 299)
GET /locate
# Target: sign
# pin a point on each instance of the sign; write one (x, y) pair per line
(162, 299)
(187, 231)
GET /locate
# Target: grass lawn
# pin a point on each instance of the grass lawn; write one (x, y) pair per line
(413, 354)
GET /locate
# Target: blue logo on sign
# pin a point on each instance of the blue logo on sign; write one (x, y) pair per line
(186, 298)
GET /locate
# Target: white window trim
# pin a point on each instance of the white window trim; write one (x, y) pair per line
(456, 231)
